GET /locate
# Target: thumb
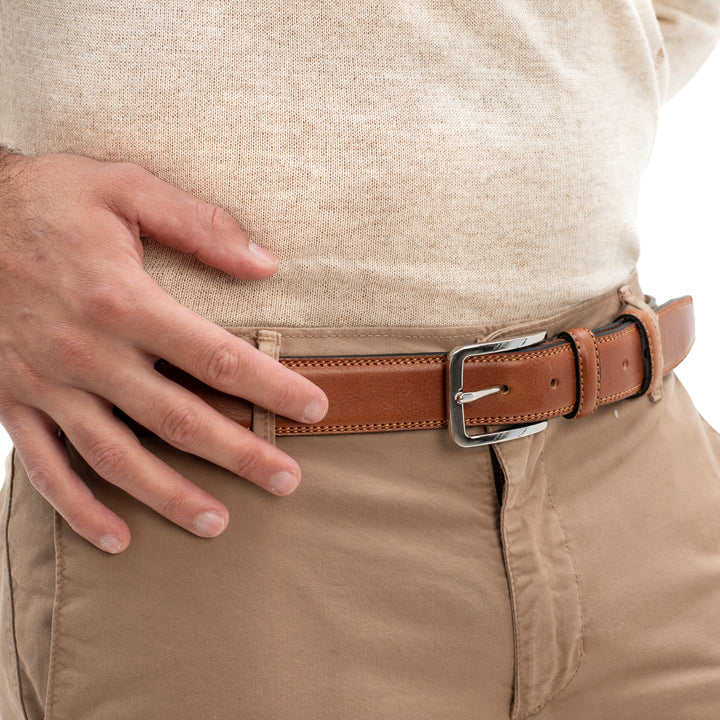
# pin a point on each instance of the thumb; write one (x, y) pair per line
(189, 224)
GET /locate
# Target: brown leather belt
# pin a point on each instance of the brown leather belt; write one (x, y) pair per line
(570, 375)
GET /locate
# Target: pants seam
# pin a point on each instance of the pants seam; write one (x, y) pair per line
(6, 531)
(511, 580)
(55, 633)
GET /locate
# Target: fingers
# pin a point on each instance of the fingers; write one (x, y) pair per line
(183, 221)
(126, 378)
(227, 363)
(49, 471)
(183, 420)
(114, 453)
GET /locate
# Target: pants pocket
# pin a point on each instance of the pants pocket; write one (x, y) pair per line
(543, 581)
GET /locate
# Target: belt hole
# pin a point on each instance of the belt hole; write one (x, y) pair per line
(504, 389)
(554, 383)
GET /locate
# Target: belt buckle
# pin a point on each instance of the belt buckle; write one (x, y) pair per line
(457, 397)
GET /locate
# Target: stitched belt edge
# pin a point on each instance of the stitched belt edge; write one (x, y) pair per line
(385, 393)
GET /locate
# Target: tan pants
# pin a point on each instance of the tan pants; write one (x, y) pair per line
(393, 584)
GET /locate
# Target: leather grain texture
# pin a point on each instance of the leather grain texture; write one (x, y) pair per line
(381, 393)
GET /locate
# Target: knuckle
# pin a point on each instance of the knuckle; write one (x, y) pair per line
(180, 426)
(172, 504)
(212, 216)
(284, 394)
(123, 180)
(41, 478)
(108, 458)
(78, 517)
(129, 174)
(71, 353)
(248, 464)
(223, 365)
(20, 382)
(107, 302)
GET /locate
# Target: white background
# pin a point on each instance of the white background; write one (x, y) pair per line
(680, 226)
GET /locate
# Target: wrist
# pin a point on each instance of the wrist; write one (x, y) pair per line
(8, 158)
(12, 163)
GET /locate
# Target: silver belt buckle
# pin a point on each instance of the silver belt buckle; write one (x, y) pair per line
(458, 397)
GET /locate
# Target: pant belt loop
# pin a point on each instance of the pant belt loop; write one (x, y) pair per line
(263, 421)
(650, 320)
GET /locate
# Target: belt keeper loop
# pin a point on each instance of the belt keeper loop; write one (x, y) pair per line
(263, 421)
(587, 371)
(648, 324)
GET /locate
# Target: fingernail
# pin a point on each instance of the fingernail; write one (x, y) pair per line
(110, 544)
(209, 523)
(315, 411)
(265, 256)
(283, 483)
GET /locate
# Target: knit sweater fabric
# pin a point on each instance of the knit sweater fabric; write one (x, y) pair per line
(410, 162)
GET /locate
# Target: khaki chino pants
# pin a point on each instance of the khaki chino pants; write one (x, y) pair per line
(572, 575)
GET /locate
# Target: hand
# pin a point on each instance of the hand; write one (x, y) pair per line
(82, 325)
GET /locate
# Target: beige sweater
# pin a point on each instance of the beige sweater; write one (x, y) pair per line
(411, 162)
